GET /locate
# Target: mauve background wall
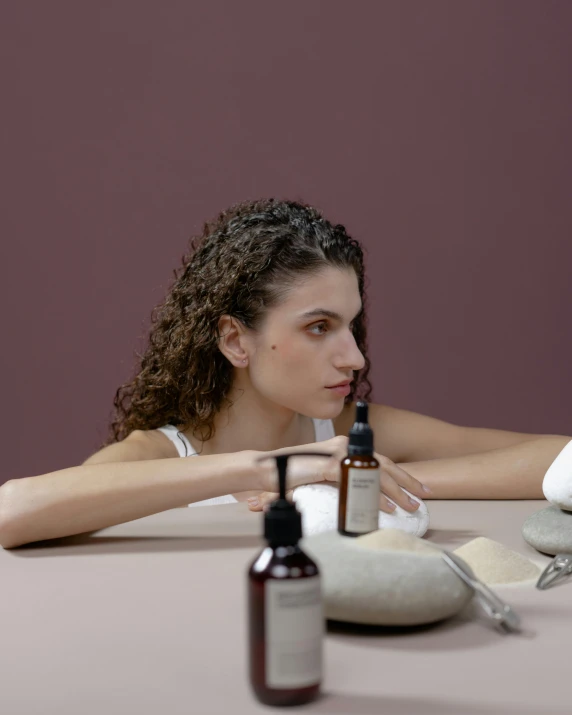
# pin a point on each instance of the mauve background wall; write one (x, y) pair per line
(438, 132)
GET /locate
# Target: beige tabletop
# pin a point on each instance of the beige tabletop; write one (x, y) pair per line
(149, 617)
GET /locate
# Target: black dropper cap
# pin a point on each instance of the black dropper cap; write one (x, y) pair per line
(283, 521)
(361, 435)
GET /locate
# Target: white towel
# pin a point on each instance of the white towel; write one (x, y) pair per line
(318, 504)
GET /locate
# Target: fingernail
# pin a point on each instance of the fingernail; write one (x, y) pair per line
(391, 506)
(413, 502)
(425, 489)
(253, 501)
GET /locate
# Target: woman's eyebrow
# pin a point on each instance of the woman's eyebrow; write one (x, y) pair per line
(322, 312)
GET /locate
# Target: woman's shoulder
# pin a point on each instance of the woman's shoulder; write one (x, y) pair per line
(139, 445)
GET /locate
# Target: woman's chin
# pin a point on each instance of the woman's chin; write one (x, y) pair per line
(326, 411)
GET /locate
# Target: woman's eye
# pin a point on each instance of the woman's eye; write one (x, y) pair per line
(318, 329)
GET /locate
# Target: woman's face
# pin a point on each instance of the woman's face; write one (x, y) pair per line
(305, 345)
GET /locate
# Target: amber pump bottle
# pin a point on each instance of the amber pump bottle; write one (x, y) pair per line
(358, 507)
(286, 621)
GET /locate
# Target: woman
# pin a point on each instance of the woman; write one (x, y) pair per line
(260, 346)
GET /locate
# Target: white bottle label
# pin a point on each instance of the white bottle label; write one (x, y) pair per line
(294, 625)
(362, 504)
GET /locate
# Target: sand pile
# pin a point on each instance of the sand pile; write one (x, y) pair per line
(490, 561)
(495, 563)
(395, 540)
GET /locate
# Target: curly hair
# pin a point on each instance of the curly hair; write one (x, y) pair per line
(244, 263)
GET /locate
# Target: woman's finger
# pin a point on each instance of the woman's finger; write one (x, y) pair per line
(385, 504)
(263, 500)
(403, 478)
(258, 502)
(391, 489)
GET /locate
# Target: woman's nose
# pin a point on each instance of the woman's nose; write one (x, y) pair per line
(352, 357)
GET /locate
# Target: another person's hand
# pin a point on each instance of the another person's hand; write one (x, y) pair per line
(313, 470)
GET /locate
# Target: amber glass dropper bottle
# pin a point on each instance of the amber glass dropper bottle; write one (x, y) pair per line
(286, 622)
(358, 507)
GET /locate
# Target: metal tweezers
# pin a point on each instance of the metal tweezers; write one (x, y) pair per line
(496, 609)
(557, 570)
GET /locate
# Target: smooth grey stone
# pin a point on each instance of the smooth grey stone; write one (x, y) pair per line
(384, 587)
(549, 531)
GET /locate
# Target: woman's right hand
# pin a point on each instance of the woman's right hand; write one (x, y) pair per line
(305, 470)
(313, 470)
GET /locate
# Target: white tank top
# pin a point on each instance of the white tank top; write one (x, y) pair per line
(323, 429)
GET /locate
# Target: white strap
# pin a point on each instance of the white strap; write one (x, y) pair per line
(182, 444)
(324, 429)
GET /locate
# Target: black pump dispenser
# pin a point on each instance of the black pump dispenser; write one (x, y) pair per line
(361, 434)
(286, 621)
(283, 521)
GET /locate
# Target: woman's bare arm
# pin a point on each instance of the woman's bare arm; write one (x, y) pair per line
(513, 472)
(405, 436)
(458, 462)
(101, 493)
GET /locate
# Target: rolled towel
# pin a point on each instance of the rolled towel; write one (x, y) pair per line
(318, 504)
(557, 482)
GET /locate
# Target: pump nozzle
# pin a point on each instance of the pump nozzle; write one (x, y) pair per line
(281, 466)
(283, 521)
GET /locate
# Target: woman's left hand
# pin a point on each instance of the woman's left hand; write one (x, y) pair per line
(393, 480)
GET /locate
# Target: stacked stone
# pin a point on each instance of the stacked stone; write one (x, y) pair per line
(550, 530)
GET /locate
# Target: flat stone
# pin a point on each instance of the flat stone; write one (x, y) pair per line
(318, 504)
(549, 531)
(384, 586)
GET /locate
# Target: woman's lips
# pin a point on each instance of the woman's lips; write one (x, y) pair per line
(341, 389)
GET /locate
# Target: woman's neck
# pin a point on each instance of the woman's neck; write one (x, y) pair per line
(253, 423)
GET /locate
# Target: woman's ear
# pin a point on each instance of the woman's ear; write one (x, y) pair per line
(232, 340)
